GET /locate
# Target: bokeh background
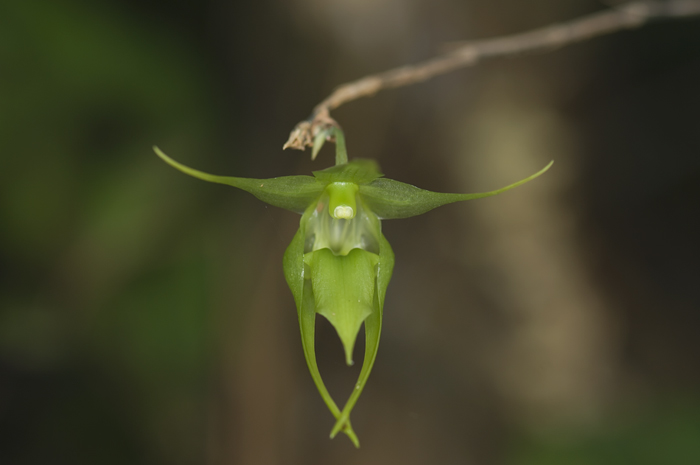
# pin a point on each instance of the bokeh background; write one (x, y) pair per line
(144, 317)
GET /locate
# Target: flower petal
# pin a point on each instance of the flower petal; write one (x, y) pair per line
(293, 264)
(390, 199)
(293, 193)
(344, 288)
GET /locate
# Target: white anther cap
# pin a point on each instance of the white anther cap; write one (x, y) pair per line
(343, 212)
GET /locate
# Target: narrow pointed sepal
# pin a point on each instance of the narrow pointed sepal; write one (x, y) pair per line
(390, 199)
(293, 193)
(293, 264)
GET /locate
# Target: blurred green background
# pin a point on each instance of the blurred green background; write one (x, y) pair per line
(144, 317)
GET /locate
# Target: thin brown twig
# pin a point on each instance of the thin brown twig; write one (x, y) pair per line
(627, 16)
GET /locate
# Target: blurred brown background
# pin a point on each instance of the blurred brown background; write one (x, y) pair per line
(144, 317)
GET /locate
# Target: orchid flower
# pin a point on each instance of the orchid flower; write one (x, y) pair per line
(339, 263)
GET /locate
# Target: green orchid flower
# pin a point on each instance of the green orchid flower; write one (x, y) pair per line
(339, 263)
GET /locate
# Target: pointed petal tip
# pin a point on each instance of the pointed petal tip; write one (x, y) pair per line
(349, 433)
(164, 157)
(540, 172)
(348, 347)
(338, 427)
(180, 166)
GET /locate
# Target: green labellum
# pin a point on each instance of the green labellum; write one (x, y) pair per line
(343, 288)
